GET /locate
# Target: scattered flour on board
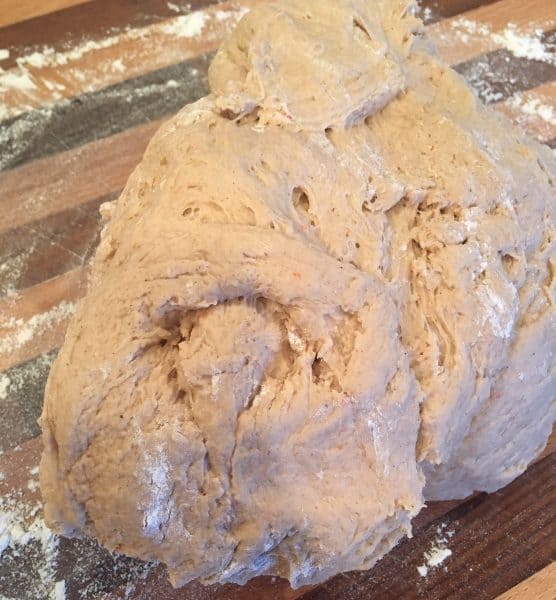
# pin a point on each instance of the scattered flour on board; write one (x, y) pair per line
(521, 42)
(438, 551)
(27, 79)
(18, 332)
(524, 45)
(30, 553)
(531, 106)
(187, 26)
(4, 53)
(46, 77)
(21, 525)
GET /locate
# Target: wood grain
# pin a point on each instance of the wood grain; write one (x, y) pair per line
(540, 586)
(48, 247)
(13, 11)
(68, 179)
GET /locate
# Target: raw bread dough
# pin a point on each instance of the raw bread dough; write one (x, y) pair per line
(331, 276)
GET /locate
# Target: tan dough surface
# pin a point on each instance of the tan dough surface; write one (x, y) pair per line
(329, 280)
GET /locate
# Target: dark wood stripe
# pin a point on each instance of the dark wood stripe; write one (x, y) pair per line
(436, 10)
(99, 114)
(49, 247)
(498, 540)
(63, 29)
(22, 404)
(498, 75)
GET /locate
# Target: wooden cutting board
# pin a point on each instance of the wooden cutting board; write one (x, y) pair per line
(83, 86)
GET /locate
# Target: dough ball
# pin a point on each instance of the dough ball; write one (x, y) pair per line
(329, 279)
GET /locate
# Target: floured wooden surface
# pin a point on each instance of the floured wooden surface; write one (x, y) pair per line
(65, 158)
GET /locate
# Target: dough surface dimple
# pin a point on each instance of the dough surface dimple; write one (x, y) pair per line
(326, 282)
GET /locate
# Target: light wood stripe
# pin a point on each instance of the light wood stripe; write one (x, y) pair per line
(534, 111)
(95, 65)
(13, 11)
(540, 586)
(456, 42)
(36, 320)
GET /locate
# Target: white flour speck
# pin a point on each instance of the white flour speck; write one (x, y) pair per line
(59, 591)
(187, 26)
(16, 81)
(438, 551)
(32, 485)
(117, 65)
(4, 386)
(37, 59)
(4, 53)
(422, 570)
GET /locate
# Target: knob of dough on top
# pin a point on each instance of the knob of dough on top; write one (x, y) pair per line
(318, 64)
